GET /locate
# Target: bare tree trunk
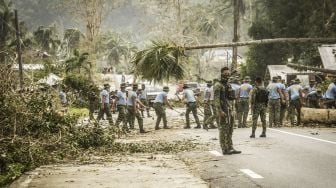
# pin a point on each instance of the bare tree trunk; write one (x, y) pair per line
(263, 41)
(179, 18)
(235, 34)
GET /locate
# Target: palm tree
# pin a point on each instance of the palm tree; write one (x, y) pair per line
(160, 62)
(116, 48)
(78, 62)
(47, 38)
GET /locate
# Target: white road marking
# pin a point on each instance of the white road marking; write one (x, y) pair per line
(251, 173)
(216, 153)
(303, 136)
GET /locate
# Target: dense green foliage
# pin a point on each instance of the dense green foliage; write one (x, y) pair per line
(283, 18)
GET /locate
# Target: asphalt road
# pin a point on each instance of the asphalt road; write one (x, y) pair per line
(288, 157)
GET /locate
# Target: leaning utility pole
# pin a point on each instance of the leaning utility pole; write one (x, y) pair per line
(18, 47)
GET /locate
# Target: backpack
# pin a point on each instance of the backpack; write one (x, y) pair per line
(261, 95)
(230, 93)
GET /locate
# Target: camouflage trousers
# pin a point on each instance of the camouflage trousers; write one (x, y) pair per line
(122, 116)
(225, 127)
(214, 116)
(192, 107)
(106, 110)
(145, 102)
(160, 112)
(274, 112)
(207, 114)
(131, 118)
(259, 110)
(243, 109)
(295, 109)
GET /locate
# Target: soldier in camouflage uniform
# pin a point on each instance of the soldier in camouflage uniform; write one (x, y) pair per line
(259, 100)
(121, 107)
(222, 94)
(160, 109)
(275, 98)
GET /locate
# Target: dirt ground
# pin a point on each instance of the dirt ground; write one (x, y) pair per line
(126, 170)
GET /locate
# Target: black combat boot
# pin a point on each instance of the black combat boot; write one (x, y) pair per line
(231, 151)
(263, 134)
(253, 133)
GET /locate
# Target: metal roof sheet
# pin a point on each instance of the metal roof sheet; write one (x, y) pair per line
(283, 70)
(328, 56)
(29, 66)
(280, 70)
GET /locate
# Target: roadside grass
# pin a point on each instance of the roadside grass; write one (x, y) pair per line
(79, 112)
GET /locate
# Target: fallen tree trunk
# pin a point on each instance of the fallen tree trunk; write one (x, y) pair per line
(313, 115)
(328, 71)
(264, 41)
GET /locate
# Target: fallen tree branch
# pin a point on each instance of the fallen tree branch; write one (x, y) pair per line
(263, 41)
(304, 67)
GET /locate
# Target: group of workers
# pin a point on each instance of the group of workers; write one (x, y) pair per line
(225, 102)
